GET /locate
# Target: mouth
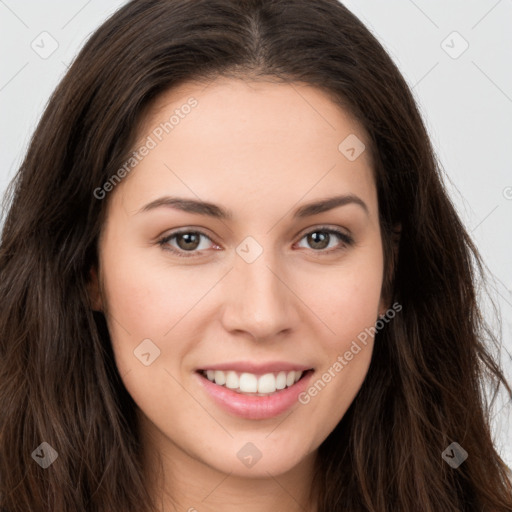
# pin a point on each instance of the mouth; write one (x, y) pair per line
(255, 396)
(252, 384)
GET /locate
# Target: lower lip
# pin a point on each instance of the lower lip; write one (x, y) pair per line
(255, 407)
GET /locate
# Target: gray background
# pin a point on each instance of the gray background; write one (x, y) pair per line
(465, 96)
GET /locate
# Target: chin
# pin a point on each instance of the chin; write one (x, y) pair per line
(257, 457)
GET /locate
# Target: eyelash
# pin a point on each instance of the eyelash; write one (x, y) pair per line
(346, 241)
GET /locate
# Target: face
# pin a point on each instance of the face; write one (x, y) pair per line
(257, 284)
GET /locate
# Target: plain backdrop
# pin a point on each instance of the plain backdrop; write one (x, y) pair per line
(455, 55)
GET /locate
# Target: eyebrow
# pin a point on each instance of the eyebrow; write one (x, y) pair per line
(213, 210)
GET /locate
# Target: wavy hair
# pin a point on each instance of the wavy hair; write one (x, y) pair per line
(426, 385)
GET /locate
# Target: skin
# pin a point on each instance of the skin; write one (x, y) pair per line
(260, 149)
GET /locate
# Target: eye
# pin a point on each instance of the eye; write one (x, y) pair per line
(190, 241)
(187, 241)
(320, 238)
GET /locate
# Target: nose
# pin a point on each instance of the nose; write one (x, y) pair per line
(259, 298)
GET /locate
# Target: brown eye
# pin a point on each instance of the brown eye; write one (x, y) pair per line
(188, 241)
(318, 239)
(184, 242)
(321, 238)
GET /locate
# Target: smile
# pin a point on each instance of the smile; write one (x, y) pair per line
(266, 398)
(252, 384)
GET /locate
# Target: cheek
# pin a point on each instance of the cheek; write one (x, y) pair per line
(349, 306)
(145, 300)
(136, 298)
(143, 291)
(347, 297)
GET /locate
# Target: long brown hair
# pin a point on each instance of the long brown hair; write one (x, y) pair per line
(59, 383)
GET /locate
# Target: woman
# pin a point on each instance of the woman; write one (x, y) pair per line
(231, 275)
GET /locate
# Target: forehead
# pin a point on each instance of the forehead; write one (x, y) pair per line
(267, 108)
(255, 138)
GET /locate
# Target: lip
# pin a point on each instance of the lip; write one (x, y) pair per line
(254, 407)
(257, 368)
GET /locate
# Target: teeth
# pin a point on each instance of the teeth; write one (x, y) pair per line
(265, 384)
(248, 383)
(252, 384)
(232, 380)
(281, 380)
(219, 378)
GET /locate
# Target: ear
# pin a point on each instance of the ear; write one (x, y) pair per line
(385, 302)
(93, 288)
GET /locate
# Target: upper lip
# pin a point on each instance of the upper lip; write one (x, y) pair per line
(257, 368)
